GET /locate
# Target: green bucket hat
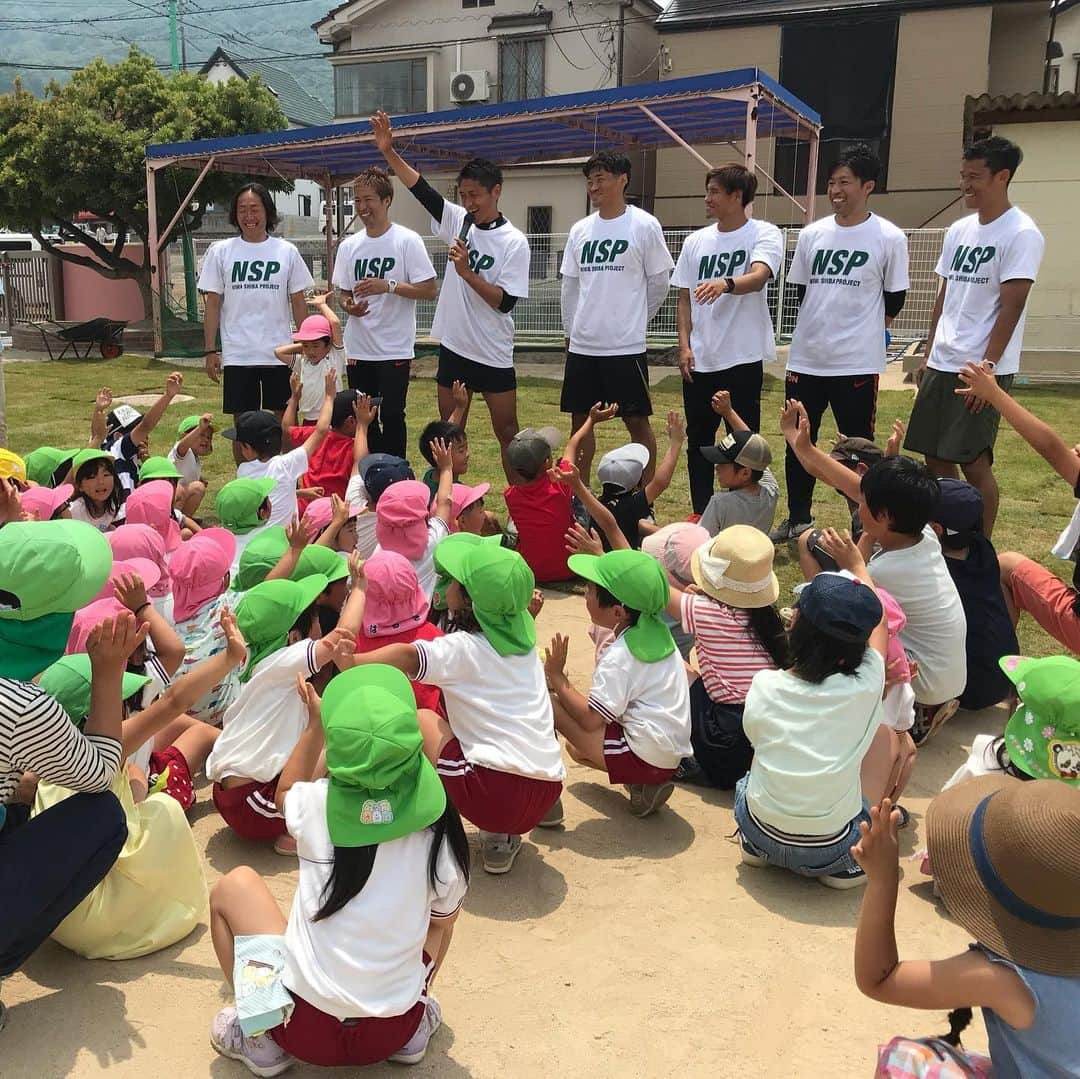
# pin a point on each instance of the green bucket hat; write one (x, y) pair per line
(187, 424)
(442, 580)
(237, 504)
(268, 611)
(260, 556)
(158, 468)
(1043, 735)
(86, 456)
(638, 582)
(43, 462)
(500, 586)
(50, 567)
(381, 786)
(316, 559)
(68, 680)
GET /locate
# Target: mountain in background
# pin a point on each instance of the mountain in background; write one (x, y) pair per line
(67, 35)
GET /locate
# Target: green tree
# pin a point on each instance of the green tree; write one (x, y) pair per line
(82, 148)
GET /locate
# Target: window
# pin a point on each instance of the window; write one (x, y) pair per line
(538, 226)
(845, 70)
(303, 205)
(397, 86)
(521, 68)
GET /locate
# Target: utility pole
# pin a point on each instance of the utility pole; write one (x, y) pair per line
(190, 292)
(183, 42)
(174, 50)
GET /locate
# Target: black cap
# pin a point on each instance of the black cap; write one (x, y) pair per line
(343, 406)
(959, 512)
(379, 470)
(258, 429)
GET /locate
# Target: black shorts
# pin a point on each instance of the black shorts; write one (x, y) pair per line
(621, 380)
(247, 389)
(478, 377)
(716, 733)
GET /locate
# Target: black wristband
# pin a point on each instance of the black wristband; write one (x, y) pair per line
(730, 282)
(142, 608)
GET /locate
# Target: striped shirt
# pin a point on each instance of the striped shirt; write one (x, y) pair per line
(729, 653)
(37, 736)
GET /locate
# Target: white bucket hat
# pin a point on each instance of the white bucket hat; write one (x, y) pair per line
(735, 567)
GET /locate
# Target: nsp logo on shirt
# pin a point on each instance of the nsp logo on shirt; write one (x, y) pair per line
(601, 254)
(723, 264)
(374, 267)
(969, 260)
(478, 263)
(255, 274)
(834, 267)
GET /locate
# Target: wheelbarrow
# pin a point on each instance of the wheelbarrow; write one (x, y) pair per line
(106, 333)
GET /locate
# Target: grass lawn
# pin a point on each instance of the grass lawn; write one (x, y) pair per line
(50, 404)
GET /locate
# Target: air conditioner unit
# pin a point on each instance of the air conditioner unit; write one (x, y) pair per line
(469, 86)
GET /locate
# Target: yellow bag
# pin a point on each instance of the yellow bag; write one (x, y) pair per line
(155, 893)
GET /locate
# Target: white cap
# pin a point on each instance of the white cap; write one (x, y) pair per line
(623, 466)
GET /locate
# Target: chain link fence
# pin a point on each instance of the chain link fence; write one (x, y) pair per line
(538, 320)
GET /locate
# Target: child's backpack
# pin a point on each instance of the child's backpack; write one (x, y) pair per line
(930, 1058)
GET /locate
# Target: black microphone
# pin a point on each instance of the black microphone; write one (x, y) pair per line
(466, 224)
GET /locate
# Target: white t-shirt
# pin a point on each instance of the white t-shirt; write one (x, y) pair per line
(846, 270)
(313, 381)
(650, 701)
(189, 466)
(262, 726)
(255, 282)
(498, 706)
(919, 580)
(79, 512)
(286, 470)
(388, 330)
(809, 741)
(612, 258)
(464, 322)
(366, 959)
(975, 261)
(732, 329)
(356, 496)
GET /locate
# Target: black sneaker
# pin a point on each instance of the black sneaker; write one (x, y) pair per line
(787, 530)
(848, 878)
(689, 771)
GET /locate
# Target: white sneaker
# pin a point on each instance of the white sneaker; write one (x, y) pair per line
(414, 1050)
(260, 1055)
(498, 852)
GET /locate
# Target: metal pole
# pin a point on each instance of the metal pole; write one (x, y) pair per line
(152, 243)
(174, 49)
(750, 139)
(811, 177)
(329, 203)
(183, 42)
(670, 131)
(1049, 39)
(9, 296)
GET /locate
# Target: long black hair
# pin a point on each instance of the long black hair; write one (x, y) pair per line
(765, 625)
(264, 197)
(814, 655)
(353, 865)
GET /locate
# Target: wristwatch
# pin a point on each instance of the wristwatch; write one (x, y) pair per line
(391, 286)
(729, 283)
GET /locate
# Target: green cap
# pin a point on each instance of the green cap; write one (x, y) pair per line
(317, 559)
(188, 423)
(237, 504)
(86, 456)
(381, 786)
(51, 567)
(260, 556)
(1043, 735)
(43, 462)
(68, 680)
(269, 610)
(638, 582)
(500, 586)
(158, 468)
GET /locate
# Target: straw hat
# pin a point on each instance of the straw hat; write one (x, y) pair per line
(1004, 855)
(735, 567)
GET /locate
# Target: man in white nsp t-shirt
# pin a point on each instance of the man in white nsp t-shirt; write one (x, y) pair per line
(988, 263)
(487, 273)
(615, 274)
(725, 330)
(851, 273)
(382, 272)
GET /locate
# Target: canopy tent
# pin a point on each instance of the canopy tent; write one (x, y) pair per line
(723, 107)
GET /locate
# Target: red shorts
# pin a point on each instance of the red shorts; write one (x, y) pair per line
(624, 765)
(178, 785)
(250, 811)
(495, 801)
(1049, 600)
(317, 1038)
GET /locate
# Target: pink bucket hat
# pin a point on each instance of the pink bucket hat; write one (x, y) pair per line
(86, 619)
(314, 328)
(395, 600)
(401, 517)
(152, 504)
(142, 541)
(45, 501)
(200, 570)
(320, 512)
(146, 569)
(672, 547)
(462, 497)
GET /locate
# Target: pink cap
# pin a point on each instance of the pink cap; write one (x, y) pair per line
(313, 328)
(152, 504)
(463, 496)
(146, 569)
(86, 619)
(45, 501)
(200, 570)
(401, 517)
(672, 546)
(320, 512)
(142, 541)
(395, 601)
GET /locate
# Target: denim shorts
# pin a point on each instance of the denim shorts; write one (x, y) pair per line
(809, 861)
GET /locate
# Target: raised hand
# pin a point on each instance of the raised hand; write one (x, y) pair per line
(294, 385)
(112, 641)
(601, 412)
(580, 541)
(330, 382)
(383, 132)
(364, 411)
(129, 590)
(103, 401)
(676, 427)
(841, 548)
(174, 384)
(441, 454)
(296, 532)
(536, 604)
(896, 439)
(235, 645)
(357, 576)
(555, 660)
(795, 425)
(721, 403)
(319, 299)
(311, 699)
(979, 385)
(878, 850)
(459, 393)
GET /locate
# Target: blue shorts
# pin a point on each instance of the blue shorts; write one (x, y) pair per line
(813, 858)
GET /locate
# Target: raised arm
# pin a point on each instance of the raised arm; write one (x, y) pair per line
(384, 142)
(98, 421)
(442, 455)
(848, 557)
(288, 353)
(304, 759)
(195, 435)
(141, 431)
(322, 425)
(795, 427)
(322, 305)
(604, 518)
(676, 432)
(130, 591)
(599, 413)
(721, 405)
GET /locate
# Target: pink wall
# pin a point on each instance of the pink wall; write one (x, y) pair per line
(89, 295)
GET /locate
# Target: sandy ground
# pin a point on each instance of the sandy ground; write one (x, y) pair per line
(616, 947)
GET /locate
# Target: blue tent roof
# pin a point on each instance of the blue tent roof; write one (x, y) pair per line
(539, 129)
